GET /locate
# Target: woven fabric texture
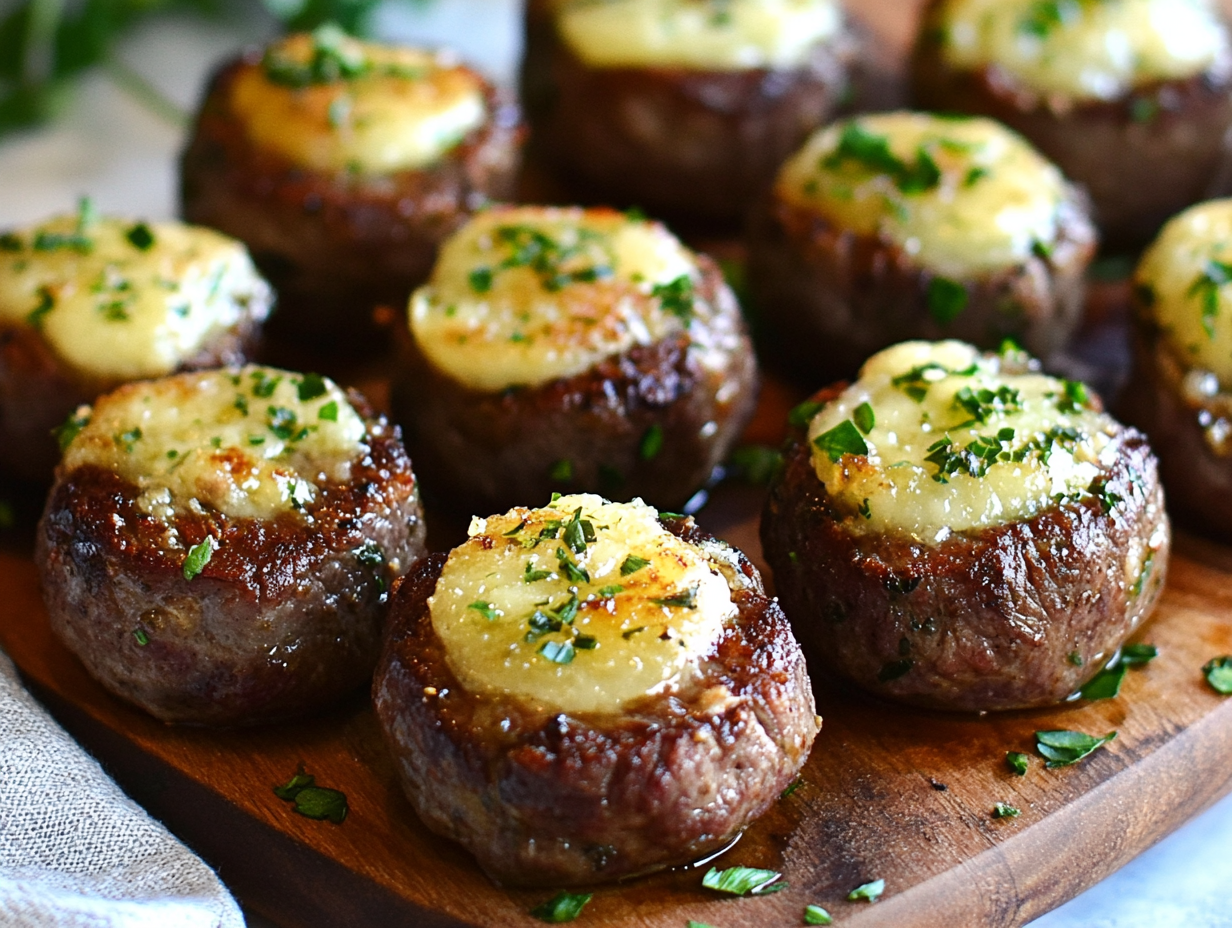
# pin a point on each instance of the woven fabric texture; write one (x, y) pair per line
(75, 851)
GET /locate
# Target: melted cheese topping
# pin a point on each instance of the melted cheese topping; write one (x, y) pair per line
(121, 300)
(630, 616)
(957, 444)
(1186, 276)
(403, 109)
(523, 296)
(717, 35)
(1084, 49)
(960, 196)
(240, 441)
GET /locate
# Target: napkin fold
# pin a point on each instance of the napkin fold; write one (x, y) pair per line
(74, 850)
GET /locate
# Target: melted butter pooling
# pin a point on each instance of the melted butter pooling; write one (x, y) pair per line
(630, 618)
(523, 296)
(718, 35)
(249, 442)
(1007, 445)
(376, 109)
(1186, 277)
(119, 299)
(960, 196)
(1084, 49)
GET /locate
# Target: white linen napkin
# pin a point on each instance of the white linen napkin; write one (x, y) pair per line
(75, 852)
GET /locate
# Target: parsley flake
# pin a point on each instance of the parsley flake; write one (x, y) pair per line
(684, 600)
(816, 915)
(864, 418)
(742, 881)
(1017, 762)
(867, 892)
(312, 801)
(803, 414)
(198, 556)
(676, 297)
(328, 412)
(72, 426)
(632, 564)
(844, 438)
(140, 237)
(1106, 684)
(1005, 810)
(1062, 748)
(1219, 674)
(563, 907)
(311, 387)
(487, 610)
(558, 652)
(142, 638)
(1206, 287)
(1135, 655)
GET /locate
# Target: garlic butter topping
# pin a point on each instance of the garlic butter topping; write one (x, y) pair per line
(960, 196)
(120, 299)
(1084, 49)
(1185, 278)
(581, 606)
(936, 438)
(717, 35)
(249, 442)
(523, 296)
(329, 102)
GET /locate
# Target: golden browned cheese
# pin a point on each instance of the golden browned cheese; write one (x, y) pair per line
(332, 103)
(1084, 49)
(935, 438)
(714, 35)
(119, 299)
(1186, 277)
(581, 606)
(962, 197)
(250, 442)
(525, 296)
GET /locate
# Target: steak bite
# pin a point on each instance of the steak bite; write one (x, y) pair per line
(903, 225)
(1132, 100)
(589, 691)
(88, 303)
(957, 530)
(1180, 392)
(218, 547)
(571, 350)
(677, 107)
(343, 164)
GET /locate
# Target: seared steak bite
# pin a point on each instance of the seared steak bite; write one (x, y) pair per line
(902, 225)
(1180, 392)
(957, 530)
(676, 108)
(1132, 100)
(570, 349)
(88, 303)
(584, 692)
(343, 164)
(218, 547)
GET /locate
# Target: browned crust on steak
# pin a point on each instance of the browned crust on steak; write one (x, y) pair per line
(1195, 465)
(984, 620)
(38, 390)
(1138, 172)
(551, 799)
(336, 245)
(829, 298)
(673, 141)
(490, 451)
(282, 620)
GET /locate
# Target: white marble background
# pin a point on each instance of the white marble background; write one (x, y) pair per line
(111, 147)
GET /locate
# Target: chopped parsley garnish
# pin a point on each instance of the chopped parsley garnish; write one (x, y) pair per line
(915, 382)
(975, 175)
(973, 460)
(867, 892)
(611, 590)
(263, 384)
(128, 440)
(676, 297)
(632, 564)
(651, 444)
(331, 60)
(563, 907)
(865, 510)
(64, 434)
(844, 438)
(310, 387)
(1004, 810)
(802, 415)
(1043, 16)
(480, 279)
(1106, 684)
(570, 569)
(46, 303)
(1218, 674)
(791, 787)
(555, 264)
(1075, 658)
(1017, 762)
(487, 610)
(1075, 397)
(54, 241)
(531, 575)
(369, 554)
(982, 405)
(742, 881)
(140, 237)
(198, 556)
(285, 424)
(558, 652)
(816, 915)
(872, 152)
(1135, 655)
(684, 600)
(328, 412)
(1214, 275)
(630, 632)
(142, 638)
(864, 418)
(312, 801)
(578, 532)
(1062, 748)
(946, 299)
(10, 241)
